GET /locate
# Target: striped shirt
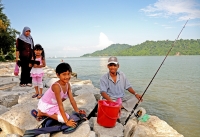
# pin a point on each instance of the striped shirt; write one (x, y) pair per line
(114, 90)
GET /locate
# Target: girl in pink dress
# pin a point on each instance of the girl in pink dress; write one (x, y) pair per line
(51, 105)
(37, 70)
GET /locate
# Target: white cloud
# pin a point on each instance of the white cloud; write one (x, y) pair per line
(103, 41)
(184, 9)
(80, 50)
(194, 24)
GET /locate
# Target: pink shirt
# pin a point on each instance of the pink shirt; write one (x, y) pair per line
(50, 98)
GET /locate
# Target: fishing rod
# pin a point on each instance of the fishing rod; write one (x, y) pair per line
(153, 78)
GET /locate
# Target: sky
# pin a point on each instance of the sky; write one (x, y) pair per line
(72, 28)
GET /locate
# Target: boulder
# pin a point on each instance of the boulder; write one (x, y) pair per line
(3, 109)
(116, 131)
(18, 119)
(82, 131)
(154, 127)
(84, 101)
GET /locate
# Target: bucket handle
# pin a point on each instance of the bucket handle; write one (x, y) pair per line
(111, 117)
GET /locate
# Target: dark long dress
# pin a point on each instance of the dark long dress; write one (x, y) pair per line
(25, 54)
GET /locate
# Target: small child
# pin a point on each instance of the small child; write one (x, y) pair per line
(51, 105)
(37, 71)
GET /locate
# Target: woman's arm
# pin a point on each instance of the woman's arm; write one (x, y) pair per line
(17, 51)
(71, 98)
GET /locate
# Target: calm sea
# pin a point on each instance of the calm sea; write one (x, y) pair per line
(173, 96)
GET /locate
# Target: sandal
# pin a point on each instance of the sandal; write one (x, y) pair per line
(29, 84)
(34, 96)
(39, 96)
(34, 114)
(22, 85)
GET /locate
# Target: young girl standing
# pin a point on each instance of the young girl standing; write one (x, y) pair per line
(37, 71)
(51, 105)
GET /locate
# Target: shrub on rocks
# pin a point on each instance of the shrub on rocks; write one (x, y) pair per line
(2, 58)
(9, 56)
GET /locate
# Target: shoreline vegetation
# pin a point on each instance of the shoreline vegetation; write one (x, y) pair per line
(147, 48)
(16, 104)
(151, 48)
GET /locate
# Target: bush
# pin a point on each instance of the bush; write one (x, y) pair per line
(9, 57)
(2, 58)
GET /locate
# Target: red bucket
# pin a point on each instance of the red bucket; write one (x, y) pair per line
(107, 115)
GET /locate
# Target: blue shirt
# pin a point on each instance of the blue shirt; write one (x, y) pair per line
(114, 90)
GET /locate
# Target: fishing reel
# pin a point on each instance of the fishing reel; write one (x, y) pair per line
(139, 112)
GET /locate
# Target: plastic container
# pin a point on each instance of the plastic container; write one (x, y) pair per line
(16, 70)
(108, 113)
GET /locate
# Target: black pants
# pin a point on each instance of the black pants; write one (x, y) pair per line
(25, 72)
(93, 112)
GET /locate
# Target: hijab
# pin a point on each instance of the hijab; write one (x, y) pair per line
(26, 39)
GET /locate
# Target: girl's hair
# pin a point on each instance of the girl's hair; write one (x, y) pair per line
(63, 67)
(39, 47)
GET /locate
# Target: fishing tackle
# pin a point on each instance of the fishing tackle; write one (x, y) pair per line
(153, 77)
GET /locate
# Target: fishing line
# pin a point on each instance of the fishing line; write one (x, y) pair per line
(154, 76)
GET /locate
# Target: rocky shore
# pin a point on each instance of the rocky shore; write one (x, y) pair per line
(16, 104)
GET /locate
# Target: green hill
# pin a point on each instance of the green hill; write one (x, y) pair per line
(151, 48)
(112, 50)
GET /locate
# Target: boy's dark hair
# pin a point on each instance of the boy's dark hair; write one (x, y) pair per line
(63, 67)
(39, 47)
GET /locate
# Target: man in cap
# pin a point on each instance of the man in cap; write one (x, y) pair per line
(113, 84)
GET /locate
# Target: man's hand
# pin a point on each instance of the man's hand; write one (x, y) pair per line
(138, 97)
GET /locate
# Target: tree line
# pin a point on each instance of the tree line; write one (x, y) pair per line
(7, 37)
(151, 48)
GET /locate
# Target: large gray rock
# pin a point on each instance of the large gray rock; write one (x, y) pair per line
(9, 101)
(3, 109)
(51, 81)
(129, 127)
(87, 89)
(82, 131)
(84, 101)
(18, 119)
(154, 127)
(28, 96)
(116, 131)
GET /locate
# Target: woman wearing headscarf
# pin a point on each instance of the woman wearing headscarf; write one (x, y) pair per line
(25, 52)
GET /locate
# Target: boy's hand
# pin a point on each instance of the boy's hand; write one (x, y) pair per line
(71, 123)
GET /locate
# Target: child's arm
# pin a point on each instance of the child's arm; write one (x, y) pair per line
(71, 98)
(43, 64)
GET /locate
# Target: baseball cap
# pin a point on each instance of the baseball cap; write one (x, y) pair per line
(113, 60)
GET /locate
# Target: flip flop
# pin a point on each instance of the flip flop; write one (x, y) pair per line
(22, 85)
(29, 84)
(34, 114)
(39, 96)
(34, 96)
